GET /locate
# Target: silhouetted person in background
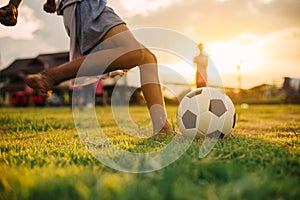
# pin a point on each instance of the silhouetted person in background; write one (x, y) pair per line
(201, 62)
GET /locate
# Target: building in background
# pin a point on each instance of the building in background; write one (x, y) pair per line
(15, 92)
(291, 89)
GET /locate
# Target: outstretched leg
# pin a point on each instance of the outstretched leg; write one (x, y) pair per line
(120, 50)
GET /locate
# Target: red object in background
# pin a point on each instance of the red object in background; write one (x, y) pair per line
(28, 97)
(98, 87)
(28, 90)
(20, 99)
(38, 100)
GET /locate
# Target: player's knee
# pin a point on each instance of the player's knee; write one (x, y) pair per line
(148, 57)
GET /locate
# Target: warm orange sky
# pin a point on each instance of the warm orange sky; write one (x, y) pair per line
(263, 36)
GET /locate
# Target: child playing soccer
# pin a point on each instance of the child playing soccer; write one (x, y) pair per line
(93, 25)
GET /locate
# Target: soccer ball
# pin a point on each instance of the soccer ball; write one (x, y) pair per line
(206, 112)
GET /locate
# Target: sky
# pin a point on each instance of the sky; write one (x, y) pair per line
(261, 36)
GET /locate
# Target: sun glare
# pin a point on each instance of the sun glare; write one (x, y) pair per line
(227, 56)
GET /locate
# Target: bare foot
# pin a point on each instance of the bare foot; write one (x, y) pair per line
(168, 131)
(39, 82)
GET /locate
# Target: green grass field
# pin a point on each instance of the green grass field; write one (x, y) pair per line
(42, 157)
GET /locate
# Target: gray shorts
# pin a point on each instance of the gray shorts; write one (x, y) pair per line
(86, 24)
(93, 23)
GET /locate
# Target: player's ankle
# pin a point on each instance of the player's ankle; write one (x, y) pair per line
(48, 78)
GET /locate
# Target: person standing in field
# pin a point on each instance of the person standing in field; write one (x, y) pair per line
(94, 27)
(201, 62)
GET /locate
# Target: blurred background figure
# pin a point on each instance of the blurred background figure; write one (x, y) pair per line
(100, 96)
(201, 62)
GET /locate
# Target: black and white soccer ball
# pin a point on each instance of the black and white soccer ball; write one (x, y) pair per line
(206, 112)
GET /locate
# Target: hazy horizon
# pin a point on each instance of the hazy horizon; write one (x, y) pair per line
(262, 36)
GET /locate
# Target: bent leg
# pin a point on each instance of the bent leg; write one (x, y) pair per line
(151, 89)
(120, 51)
